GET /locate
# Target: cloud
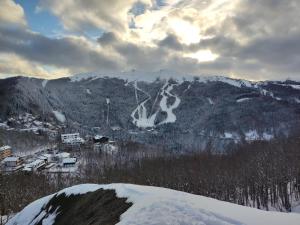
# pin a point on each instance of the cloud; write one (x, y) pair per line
(11, 13)
(76, 54)
(92, 14)
(11, 64)
(251, 39)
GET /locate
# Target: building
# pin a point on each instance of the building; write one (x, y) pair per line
(12, 161)
(35, 165)
(46, 157)
(5, 151)
(59, 157)
(72, 139)
(109, 147)
(69, 162)
(100, 139)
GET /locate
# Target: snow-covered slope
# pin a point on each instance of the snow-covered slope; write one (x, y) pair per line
(183, 111)
(153, 205)
(134, 75)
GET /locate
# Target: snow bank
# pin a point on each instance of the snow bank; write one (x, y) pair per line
(153, 205)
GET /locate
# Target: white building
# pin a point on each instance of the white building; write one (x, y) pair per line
(59, 157)
(69, 162)
(12, 161)
(72, 139)
(35, 165)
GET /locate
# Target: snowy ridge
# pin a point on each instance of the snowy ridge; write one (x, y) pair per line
(134, 75)
(153, 205)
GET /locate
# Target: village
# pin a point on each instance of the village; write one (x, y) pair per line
(63, 157)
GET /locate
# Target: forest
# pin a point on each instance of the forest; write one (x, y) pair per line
(261, 174)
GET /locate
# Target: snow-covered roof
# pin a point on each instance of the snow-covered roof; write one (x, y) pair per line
(98, 137)
(11, 159)
(70, 135)
(154, 205)
(63, 155)
(35, 163)
(6, 147)
(69, 160)
(47, 155)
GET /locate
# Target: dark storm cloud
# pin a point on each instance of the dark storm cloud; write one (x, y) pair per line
(172, 42)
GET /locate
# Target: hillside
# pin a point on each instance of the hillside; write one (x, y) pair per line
(133, 204)
(158, 107)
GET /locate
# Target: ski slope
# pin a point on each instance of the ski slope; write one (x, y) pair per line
(153, 205)
(144, 119)
(166, 94)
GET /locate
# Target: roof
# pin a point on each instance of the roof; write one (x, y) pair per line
(11, 159)
(70, 134)
(69, 160)
(35, 163)
(6, 147)
(63, 155)
(98, 136)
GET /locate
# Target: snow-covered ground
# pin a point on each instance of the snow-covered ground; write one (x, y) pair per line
(253, 135)
(59, 116)
(144, 119)
(166, 93)
(140, 116)
(28, 123)
(44, 83)
(243, 100)
(153, 205)
(148, 76)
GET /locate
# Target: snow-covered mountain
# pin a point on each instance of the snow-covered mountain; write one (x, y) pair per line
(175, 109)
(127, 204)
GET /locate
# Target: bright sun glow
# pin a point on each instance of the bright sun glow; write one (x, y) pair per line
(185, 31)
(203, 56)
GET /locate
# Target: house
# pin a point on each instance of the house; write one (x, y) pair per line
(69, 162)
(72, 139)
(5, 151)
(12, 161)
(46, 157)
(59, 157)
(100, 142)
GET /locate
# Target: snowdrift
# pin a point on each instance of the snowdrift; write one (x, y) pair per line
(140, 205)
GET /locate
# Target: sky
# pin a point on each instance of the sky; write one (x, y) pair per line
(249, 39)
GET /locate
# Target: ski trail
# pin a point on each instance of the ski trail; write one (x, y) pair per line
(142, 120)
(187, 88)
(166, 93)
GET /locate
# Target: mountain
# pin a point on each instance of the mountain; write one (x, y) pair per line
(133, 204)
(180, 111)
